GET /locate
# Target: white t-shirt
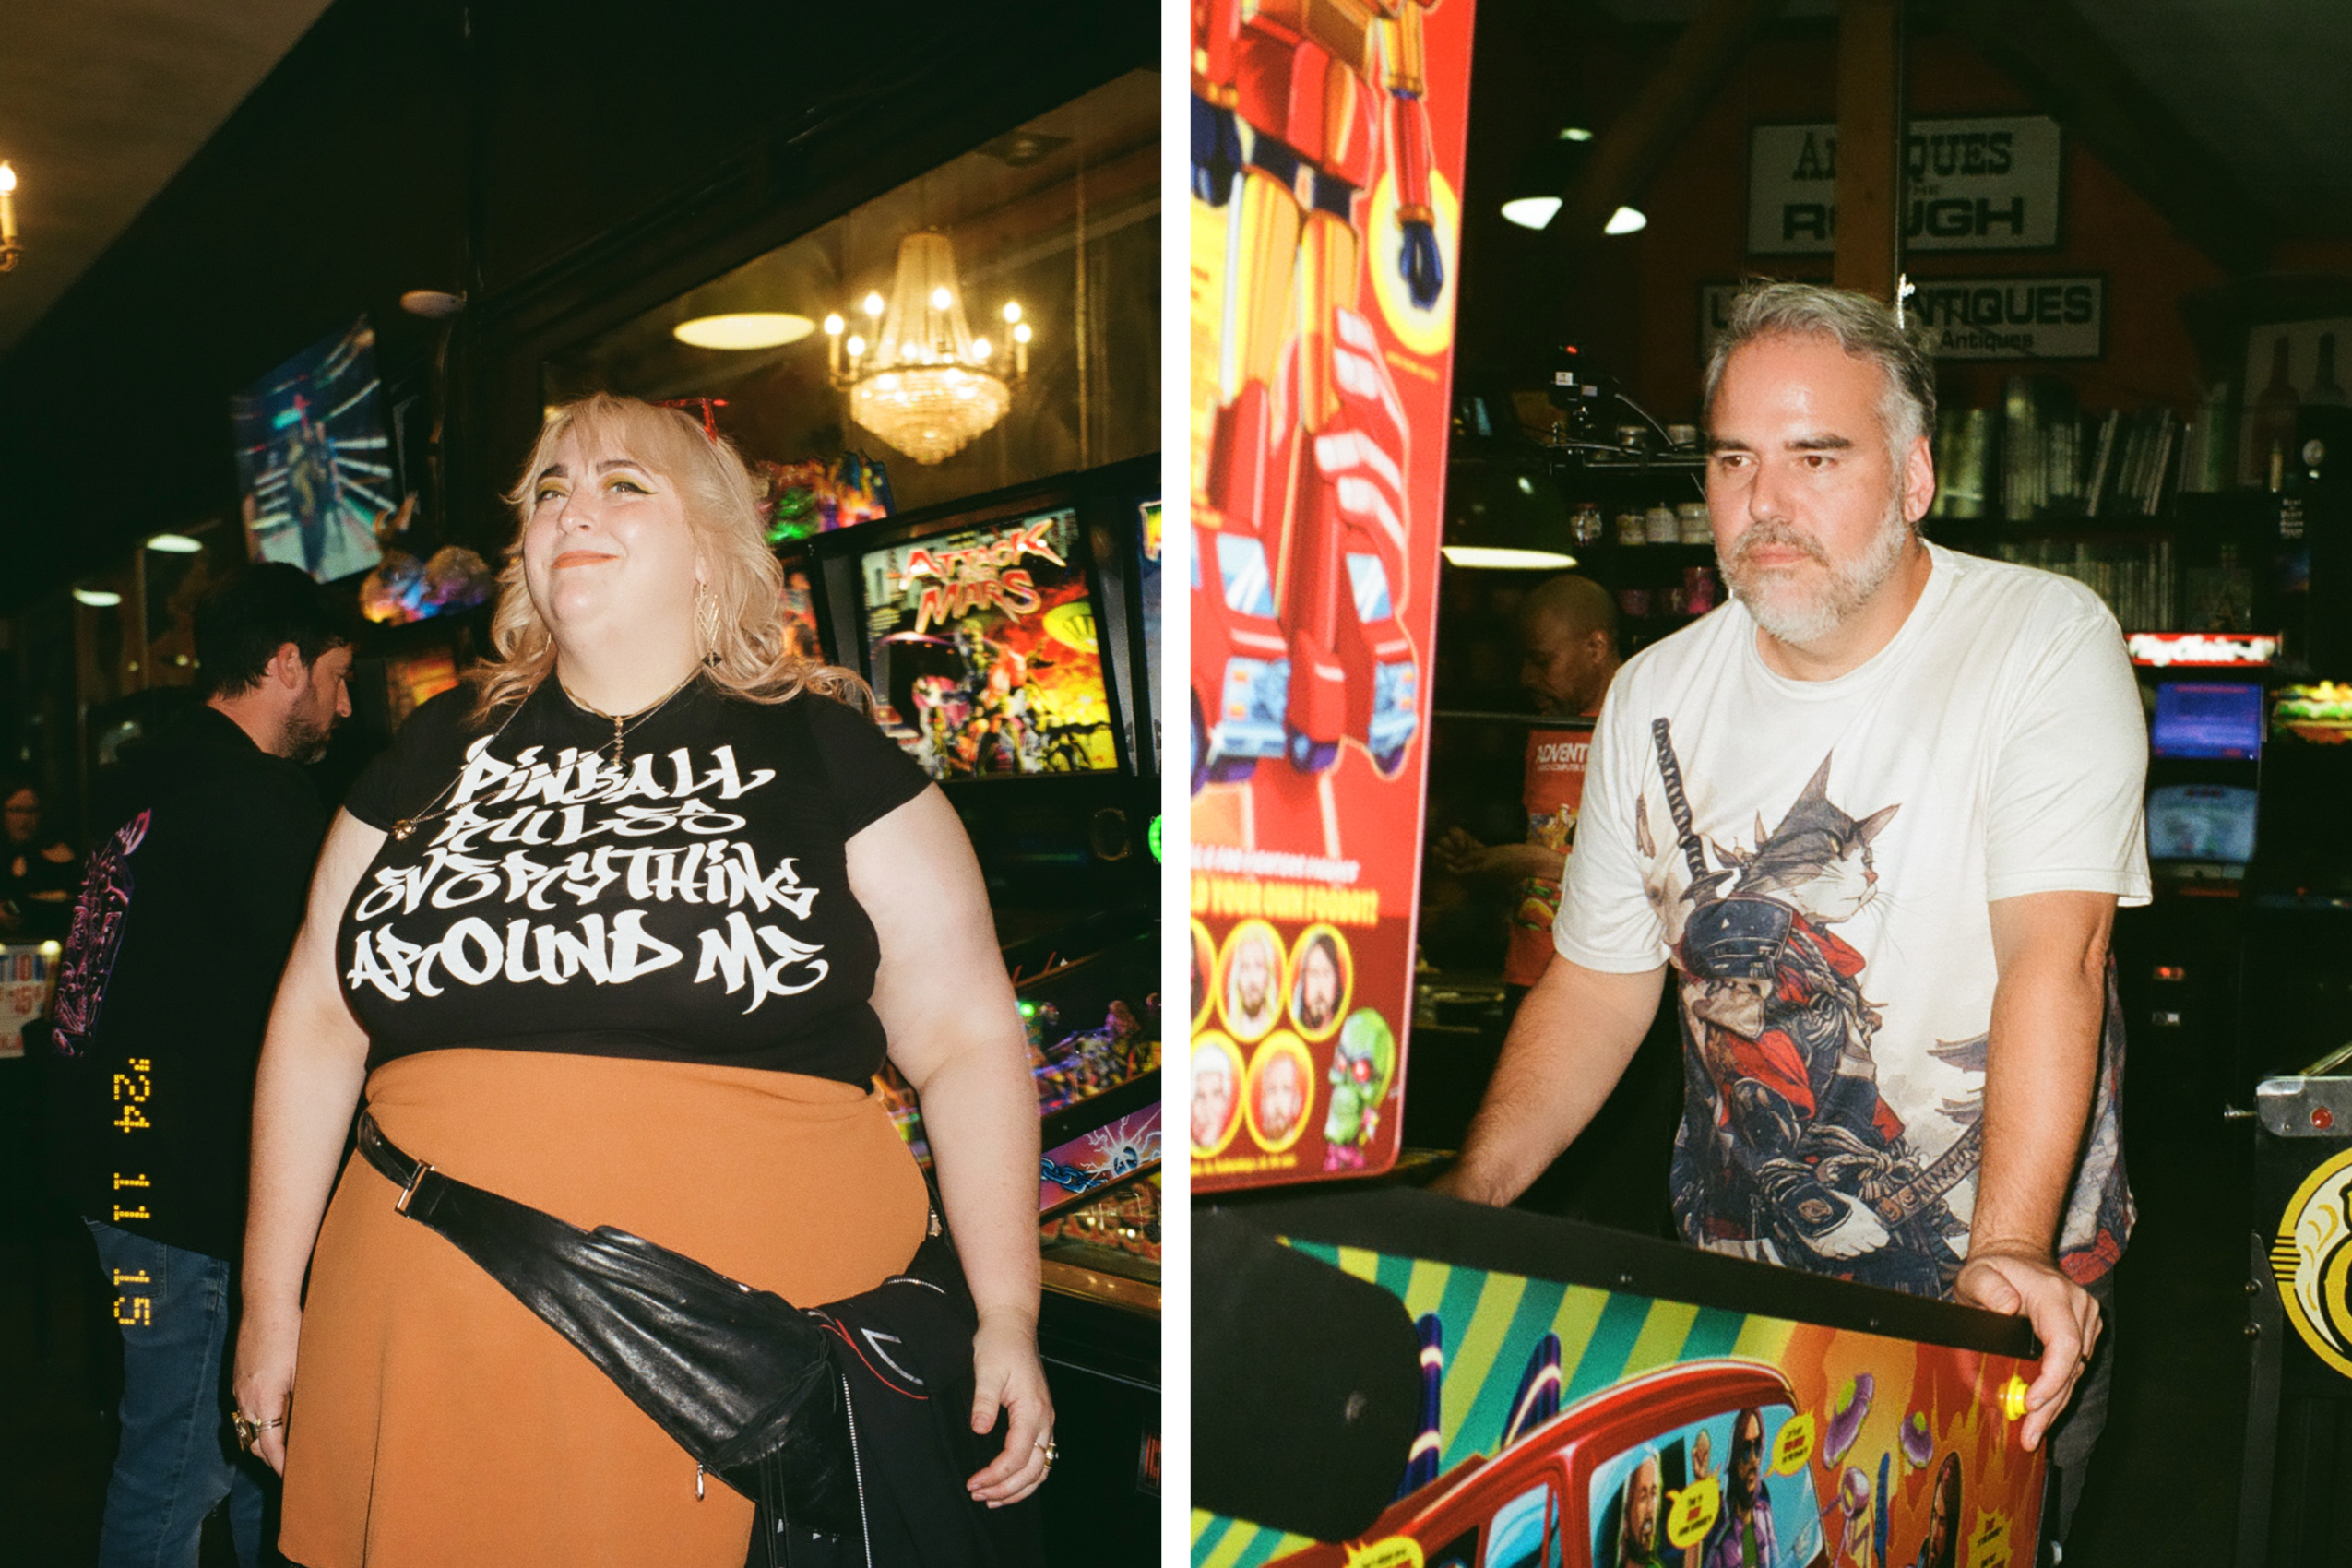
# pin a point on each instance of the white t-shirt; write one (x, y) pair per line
(1815, 859)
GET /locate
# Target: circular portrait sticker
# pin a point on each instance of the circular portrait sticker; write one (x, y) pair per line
(1217, 1093)
(1323, 982)
(1280, 1091)
(1249, 980)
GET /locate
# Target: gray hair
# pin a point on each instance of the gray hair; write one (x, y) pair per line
(1862, 325)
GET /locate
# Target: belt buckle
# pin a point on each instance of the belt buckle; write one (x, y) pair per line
(425, 1168)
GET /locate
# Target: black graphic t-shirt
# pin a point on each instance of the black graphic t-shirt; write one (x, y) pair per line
(692, 905)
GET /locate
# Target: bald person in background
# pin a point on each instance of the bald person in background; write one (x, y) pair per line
(1567, 657)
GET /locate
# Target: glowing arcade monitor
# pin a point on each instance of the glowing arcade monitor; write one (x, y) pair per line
(313, 452)
(2208, 720)
(2205, 742)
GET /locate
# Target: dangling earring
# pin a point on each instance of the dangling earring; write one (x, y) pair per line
(706, 618)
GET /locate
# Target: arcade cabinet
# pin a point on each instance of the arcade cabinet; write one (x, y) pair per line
(2180, 960)
(2296, 989)
(2299, 1414)
(1008, 639)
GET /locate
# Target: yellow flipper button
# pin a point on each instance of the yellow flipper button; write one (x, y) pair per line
(2012, 1398)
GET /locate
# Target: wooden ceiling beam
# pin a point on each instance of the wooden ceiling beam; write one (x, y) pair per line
(1634, 148)
(2068, 69)
(1868, 254)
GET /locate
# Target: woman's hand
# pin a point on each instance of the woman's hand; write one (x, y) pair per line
(263, 1384)
(1008, 1375)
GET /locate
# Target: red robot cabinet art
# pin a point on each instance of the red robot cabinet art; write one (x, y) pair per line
(1327, 151)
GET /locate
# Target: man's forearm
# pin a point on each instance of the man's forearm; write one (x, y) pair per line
(2049, 1008)
(1533, 861)
(1568, 1046)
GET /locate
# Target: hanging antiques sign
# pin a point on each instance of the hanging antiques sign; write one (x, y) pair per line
(1978, 318)
(1979, 185)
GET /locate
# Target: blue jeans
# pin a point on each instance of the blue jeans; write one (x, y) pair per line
(2075, 1433)
(179, 1456)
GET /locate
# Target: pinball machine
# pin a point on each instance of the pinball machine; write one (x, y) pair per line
(1009, 639)
(1391, 1376)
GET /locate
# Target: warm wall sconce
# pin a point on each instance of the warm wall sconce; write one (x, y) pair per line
(10, 251)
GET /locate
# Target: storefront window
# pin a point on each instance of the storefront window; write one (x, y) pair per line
(926, 376)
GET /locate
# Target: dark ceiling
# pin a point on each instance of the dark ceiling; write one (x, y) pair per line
(2262, 87)
(137, 280)
(102, 101)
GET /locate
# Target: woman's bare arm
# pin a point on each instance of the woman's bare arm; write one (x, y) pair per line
(314, 1059)
(956, 1033)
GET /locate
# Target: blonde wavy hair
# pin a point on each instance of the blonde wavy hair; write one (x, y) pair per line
(756, 659)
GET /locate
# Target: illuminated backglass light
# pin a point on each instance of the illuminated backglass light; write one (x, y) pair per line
(2173, 651)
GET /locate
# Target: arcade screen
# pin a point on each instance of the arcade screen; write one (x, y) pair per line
(800, 611)
(2212, 823)
(980, 644)
(416, 680)
(2207, 718)
(314, 457)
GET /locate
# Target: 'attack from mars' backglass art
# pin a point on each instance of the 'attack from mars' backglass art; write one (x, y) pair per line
(982, 650)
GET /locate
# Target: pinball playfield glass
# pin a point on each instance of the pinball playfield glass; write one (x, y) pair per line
(1398, 1378)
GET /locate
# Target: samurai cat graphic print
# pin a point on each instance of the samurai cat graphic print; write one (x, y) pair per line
(1817, 862)
(1785, 1122)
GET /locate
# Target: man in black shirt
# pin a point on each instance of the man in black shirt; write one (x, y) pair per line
(203, 844)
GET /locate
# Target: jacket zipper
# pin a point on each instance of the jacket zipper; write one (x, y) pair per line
(857, 1473)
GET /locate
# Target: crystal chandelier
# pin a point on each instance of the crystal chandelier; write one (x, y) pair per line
(924, 382)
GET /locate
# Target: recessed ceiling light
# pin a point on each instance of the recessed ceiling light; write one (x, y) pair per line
(744, 330)
(433, 304)
(1493, 558)
(1626, 220)
(98, 599)
(1574, 133)
(175, 544)
(1531, 212)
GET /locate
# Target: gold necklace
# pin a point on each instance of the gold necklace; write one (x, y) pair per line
(624, 722)
(621, 727)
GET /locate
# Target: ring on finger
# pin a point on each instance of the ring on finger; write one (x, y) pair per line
(1050, 1449)
(249, 1430)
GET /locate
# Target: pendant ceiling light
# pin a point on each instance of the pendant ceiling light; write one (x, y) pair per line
(924, 381)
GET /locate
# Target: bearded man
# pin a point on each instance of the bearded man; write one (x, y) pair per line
(1876, 813)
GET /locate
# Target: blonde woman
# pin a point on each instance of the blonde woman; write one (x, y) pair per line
(622, 929)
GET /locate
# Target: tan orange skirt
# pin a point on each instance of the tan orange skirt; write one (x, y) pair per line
(438, 1423)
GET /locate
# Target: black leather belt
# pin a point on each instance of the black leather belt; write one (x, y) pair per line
(421, 1187)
